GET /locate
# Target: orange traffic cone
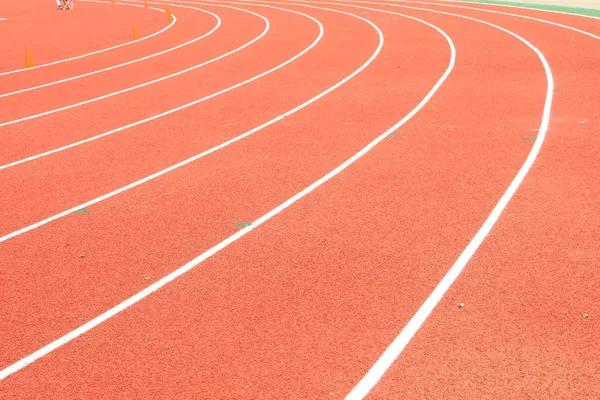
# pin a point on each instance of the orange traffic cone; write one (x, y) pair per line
(169, 15)
(135, 33)
(28, 58)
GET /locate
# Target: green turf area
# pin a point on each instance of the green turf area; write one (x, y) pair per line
(571, 10)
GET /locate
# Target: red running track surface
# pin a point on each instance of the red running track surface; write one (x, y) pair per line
(302, 306)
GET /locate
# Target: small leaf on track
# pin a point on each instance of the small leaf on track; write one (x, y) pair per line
(585, 315)
(243, 224)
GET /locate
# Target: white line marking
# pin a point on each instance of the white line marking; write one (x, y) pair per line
(523, 8)
(2, 19)
(501, 13)
(397, 346)
(125, 63)
(98, 51)
(180, 271)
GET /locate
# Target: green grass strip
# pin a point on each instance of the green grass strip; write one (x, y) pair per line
(548, 7)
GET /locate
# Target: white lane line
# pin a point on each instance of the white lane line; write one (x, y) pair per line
(98, 51)
(180, 271)
(206, 152)
(380, 367)
(2, 19)
(501, 13)
(106, 96)
(523, 8)
(218, 24)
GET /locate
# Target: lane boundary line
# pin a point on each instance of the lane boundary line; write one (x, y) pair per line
(214, 29)
(387, 358)
(183, 269)
(98, 51)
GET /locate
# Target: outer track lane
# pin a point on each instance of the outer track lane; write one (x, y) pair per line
(194, 22)
(591, 25)
(268, 316)
(54, 66)
(244, 105)
(522, 330)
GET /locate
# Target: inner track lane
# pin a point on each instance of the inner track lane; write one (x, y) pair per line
(74, 91)
(72, 78)
(57, 62)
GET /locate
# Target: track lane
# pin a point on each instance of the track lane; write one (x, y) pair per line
(75, 77)
(41, 31)
(535, 274)
(276, 291)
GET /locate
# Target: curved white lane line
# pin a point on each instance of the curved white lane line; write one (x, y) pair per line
(154, 287)
(523, 8)
(106, 96)
(397, 346)
(29, 89)
(98, 51)
(501, 13)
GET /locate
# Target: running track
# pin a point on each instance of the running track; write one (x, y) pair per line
(372, 147)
